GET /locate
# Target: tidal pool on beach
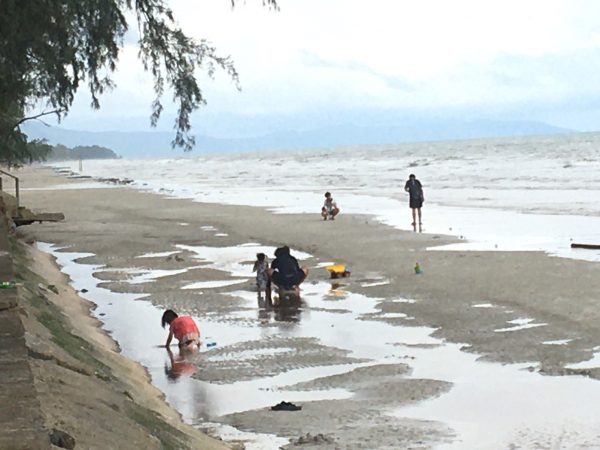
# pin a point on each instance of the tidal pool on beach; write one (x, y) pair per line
(488, 406)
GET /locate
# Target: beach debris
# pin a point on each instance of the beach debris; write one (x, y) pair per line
(313, 439)
(211, 344)
(52, 288)
(587, 246)
(84, 290)
(112, 180)
(285, 406)
(6, 284)
(62, 439)
(418, 269)
(338, 271)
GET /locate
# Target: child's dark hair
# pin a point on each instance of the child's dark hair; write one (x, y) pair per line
(168, 316)
(260, 257)
(328, 194)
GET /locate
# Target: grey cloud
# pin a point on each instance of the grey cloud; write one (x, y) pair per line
(394, 82)
(574, 69)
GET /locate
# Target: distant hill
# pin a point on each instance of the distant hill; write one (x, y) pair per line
(63, 153)
(158, 144)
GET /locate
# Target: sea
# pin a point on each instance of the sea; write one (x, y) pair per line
(522, 193)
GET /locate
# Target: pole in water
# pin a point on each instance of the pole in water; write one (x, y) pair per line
(80, 165)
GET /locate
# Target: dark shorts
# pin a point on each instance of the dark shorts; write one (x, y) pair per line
(287, 281)
(415, 203)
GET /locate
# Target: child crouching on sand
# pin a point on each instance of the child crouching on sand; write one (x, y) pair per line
(330, 208)
(183, 328)
(261, 266)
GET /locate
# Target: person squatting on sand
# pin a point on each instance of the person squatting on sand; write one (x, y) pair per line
(183, 328)
(261, 267)
(285, 272)
(416, 197)
(330, 208)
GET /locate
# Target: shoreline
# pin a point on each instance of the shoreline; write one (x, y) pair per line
(125, 224)
(472, 218)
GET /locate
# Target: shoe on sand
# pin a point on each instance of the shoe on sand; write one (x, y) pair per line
(286, 406)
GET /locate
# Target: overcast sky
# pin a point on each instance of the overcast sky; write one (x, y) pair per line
(523, 59)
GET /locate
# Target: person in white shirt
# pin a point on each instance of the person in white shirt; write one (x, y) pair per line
(330, 208)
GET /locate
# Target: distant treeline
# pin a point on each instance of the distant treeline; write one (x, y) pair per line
(63, 153)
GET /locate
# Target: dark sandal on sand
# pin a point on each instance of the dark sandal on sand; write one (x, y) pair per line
(286, 406)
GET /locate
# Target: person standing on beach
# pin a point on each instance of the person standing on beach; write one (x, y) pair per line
(416, 198)
(330, 208)
(261, 267)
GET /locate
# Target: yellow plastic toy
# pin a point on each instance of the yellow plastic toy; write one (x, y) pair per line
(338, 270)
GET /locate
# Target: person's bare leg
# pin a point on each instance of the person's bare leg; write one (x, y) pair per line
(297, 286)
(305, 272)
(268, 299)
(334, 213)
(419, 211)
(324, 213)
(414, 216)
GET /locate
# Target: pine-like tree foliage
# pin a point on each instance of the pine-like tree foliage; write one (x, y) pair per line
(48, 48)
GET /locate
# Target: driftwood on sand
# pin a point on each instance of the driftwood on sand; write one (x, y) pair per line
(588, 246)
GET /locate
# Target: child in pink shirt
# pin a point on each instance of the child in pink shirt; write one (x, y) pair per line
(183, 328)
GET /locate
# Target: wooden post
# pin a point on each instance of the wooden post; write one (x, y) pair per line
(8, 174)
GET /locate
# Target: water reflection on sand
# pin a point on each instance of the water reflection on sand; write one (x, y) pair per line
(513, 405)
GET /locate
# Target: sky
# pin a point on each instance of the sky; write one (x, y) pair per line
(315, 61)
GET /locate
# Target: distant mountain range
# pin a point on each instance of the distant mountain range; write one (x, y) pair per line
(158, 144)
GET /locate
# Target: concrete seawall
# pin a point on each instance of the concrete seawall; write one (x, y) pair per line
(21, 419)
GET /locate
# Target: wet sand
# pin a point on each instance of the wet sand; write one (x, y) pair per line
(84, 386)
(476, 299)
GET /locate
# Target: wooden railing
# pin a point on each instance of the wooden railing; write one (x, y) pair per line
(3, 172)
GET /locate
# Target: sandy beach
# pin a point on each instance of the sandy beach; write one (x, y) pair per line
(469, 298)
